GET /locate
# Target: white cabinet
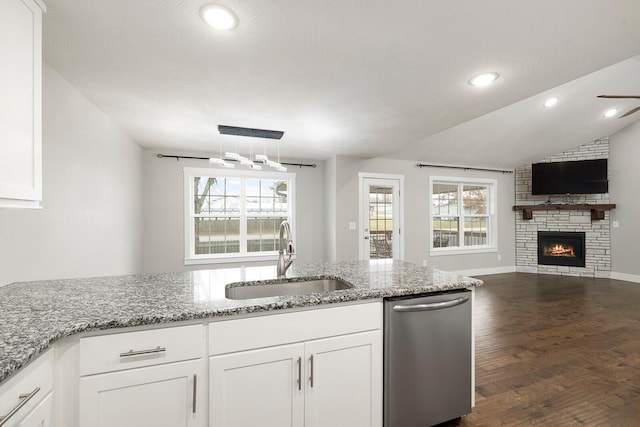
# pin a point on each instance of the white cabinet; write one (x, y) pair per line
(27, 399)
(345, 381)
(21, 103)
(156, 396)
(42, 415)
(258, 388)
(150, 378)
(330, 382)
(334, 381)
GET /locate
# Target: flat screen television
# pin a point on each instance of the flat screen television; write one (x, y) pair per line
(572, 177)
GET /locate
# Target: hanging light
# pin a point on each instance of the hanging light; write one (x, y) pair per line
(221, 162)
(245, 161)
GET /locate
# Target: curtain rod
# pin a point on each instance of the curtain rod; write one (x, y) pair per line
(161, 156)
(423, 165)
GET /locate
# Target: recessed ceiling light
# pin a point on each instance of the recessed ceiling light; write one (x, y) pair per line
(218, 17)
(611, 112)
(550, 102)
(484, 79)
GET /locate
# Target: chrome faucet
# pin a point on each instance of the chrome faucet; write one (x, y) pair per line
(286, 254)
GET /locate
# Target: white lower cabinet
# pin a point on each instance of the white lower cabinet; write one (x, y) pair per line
(257, 388)
(42, 416)
(160, 396)
(145, 378)
(328, 382)
(345, 381)
(27, 399)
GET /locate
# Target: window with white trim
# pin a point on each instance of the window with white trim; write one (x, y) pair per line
(235, 215)
(462, 215)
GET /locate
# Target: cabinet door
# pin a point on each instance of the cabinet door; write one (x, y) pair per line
(344, 385)
(158, 396)
(258, 388)
(41, 416)
(20, 103)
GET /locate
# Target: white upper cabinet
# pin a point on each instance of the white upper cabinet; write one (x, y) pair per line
(21, 103)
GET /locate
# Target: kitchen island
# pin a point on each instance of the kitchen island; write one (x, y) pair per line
(36, 315)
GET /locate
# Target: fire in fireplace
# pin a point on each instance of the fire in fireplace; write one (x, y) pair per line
(561, 248)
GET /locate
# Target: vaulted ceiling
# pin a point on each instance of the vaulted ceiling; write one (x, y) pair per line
(355, 77)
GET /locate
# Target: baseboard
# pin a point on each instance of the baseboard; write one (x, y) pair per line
(626, 277)
(525, 269)
(486, 271)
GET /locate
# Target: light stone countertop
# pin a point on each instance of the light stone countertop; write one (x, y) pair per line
(34, 315)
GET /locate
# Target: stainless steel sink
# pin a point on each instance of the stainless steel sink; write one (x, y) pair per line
(299, 287)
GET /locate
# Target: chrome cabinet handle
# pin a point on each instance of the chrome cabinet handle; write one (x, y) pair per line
(24, 398)
(311, 377)
(299, 373)
(195, 392)
(130, 353)
(430, 306)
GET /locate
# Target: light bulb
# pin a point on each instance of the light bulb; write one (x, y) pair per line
(611, 112)
(218, 17)
(482, 80)
(261, 158)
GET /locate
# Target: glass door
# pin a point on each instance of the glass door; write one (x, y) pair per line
(380, 208)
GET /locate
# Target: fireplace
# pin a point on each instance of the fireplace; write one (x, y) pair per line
(561, 248)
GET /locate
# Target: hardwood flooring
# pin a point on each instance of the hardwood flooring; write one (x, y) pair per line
(556, 351)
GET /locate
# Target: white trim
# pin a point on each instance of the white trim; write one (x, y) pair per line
(371, 175)
(626, 277)
(492, 225)
(189, 173)
(380, 176)
(23, 204)
(526, 269)
(486, 271)
(231, 259)
(462, 251)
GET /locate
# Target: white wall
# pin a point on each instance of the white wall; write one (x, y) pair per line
(163, 212)
(416, 205)
(330, 209)
(624, 191)
(90, 224)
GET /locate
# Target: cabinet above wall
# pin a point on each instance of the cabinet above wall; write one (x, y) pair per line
(21, 103)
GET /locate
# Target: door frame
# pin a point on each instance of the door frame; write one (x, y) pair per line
(361, 209)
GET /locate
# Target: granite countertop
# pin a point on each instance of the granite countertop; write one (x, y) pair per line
(33, 315)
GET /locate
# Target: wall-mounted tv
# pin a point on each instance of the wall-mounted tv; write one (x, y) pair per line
(572, 177)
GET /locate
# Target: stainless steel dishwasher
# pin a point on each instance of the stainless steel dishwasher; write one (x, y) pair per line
(427, 358)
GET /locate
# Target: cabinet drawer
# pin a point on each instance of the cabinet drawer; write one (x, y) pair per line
(277, 329)
(129, 350)
(27, 388)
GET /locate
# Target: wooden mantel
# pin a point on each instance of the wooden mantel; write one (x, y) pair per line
(597, 211)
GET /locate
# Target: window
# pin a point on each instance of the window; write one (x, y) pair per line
(235, 215)
(463, 216)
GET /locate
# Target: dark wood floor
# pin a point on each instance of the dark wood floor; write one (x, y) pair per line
(556, 351)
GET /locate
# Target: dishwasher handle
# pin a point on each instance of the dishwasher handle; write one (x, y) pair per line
(430, 306)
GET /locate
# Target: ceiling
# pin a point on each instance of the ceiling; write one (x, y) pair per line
(355, 77)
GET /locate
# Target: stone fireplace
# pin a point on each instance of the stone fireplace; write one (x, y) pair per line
(596, 230)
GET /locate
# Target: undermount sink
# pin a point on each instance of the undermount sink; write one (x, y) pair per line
(299, 287)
